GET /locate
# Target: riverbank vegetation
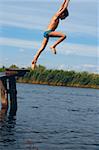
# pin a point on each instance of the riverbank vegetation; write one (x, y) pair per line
(41, 75)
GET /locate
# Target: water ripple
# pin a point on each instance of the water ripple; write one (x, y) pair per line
(52, 118)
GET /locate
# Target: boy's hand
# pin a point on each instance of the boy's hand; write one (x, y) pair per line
(62, 5)
(63, 8)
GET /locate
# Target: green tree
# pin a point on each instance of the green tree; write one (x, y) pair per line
(14, 66)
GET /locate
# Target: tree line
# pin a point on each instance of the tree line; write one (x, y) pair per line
(41, 75)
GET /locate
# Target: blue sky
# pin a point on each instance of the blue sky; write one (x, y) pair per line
(22, 23)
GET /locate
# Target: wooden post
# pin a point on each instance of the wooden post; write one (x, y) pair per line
(4, 93)
(13, 95)
(10, 76)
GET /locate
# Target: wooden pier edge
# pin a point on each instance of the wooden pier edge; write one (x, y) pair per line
(8, 88)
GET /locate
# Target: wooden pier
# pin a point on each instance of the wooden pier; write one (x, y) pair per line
(8, 91)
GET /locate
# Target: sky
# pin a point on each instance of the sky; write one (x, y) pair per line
(23, 22)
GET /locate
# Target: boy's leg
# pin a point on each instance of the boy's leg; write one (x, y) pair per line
(61, 38)
(44, 43)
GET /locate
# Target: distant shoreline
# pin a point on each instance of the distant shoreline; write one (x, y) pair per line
(52, 84)
(44, 76)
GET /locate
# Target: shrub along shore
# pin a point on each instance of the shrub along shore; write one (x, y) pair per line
(41, 75)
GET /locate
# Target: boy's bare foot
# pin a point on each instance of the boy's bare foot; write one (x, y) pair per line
(33, 64)
(53, 49)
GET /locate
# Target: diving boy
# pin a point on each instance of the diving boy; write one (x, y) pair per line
(62, 13)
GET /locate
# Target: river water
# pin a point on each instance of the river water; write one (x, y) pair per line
(52, 118)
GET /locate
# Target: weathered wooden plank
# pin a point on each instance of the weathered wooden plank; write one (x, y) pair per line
(16, 72)
(13, 72)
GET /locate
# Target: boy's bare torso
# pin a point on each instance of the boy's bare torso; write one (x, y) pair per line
(53, 23)
(55, 19)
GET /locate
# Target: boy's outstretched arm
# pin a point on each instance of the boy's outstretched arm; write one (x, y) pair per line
(63, 7)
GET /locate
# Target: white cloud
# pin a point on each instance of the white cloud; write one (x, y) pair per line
(82, 29)
(32, 16)
(5, 60)
(17, 43)
(90, 67)
(65, 49)
(81, 67)
(78, 49)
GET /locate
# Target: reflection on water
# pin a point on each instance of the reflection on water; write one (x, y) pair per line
(51, 118)
(7, 124)
(7, 130)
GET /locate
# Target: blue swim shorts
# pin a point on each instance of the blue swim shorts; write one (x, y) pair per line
(46, 33)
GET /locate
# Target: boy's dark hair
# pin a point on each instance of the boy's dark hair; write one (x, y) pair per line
(66, 13)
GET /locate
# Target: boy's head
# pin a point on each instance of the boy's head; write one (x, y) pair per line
(64, 14)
